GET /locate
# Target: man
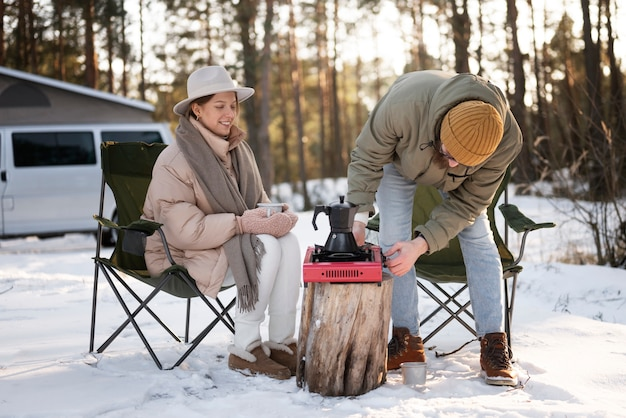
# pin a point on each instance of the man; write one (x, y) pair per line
(454, 132)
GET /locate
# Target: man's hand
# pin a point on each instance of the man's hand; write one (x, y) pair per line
(402, 255)
(358, 230)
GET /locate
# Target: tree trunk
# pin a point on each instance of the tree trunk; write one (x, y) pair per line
(91, 66)
(264, 157)
(337, 166)
(109, 48)
(525, 172)
(32, 40)
(321, 45)
(596, 138)
(296, 83)
(60, 52)
(253, 66)
(124, 52)
(343, 337)
(142, 61)
(2, 7)
(461, 35)
(285, 97)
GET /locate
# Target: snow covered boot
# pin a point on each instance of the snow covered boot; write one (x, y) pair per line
(404, 347)
(255, 360)
(285, 354)
(494, 360)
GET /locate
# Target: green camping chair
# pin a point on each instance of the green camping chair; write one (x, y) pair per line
(127, 170)
(435, 271)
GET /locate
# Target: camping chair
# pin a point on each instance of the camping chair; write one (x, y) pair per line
(127, 170)
(435, 271)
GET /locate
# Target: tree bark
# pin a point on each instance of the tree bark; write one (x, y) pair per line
(264, 156)
(525, 172)
(91, 60)
(296, 84)
(343, 337)
(460, 35)
(2, 7)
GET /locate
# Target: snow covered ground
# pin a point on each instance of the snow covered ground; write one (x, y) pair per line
(569, 341)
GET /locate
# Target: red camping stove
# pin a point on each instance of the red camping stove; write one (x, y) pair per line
(341, 260)
(362, 266)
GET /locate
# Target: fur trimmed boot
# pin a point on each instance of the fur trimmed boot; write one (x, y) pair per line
(285, 353)
(255, 360)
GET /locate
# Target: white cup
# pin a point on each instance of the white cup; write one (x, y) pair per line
(413, 373)
(272, 208)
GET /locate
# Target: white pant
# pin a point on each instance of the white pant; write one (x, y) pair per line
(279, 282)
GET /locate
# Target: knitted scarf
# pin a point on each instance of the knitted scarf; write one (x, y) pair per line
(244, 251)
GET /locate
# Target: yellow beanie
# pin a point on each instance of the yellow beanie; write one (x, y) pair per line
(471, 132)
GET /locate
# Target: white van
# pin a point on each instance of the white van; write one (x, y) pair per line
(50, 175)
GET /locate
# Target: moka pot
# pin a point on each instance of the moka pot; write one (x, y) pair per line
(341, 217)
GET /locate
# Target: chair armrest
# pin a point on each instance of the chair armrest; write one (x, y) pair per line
(519, 222)
(141, 225)
(135, 234)
(107, 223)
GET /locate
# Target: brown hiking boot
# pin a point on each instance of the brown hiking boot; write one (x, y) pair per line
(256, 362)
(404, 347)
(494, 360)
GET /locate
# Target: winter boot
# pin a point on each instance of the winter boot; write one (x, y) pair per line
(494, 360)
(285, 354)
(255, 360)
(404, 347)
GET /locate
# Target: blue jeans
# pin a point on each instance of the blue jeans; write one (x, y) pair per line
(480, 254)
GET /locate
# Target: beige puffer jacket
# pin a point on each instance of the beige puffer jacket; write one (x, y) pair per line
(194, 232)
(400, 130)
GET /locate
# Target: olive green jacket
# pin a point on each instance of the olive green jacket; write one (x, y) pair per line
(401, 130)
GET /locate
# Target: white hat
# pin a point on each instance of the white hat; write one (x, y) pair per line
(207, 81)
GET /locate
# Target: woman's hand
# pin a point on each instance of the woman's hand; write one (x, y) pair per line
(256, 221)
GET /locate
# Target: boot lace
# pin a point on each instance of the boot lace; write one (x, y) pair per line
(395, 346)
(497, 354)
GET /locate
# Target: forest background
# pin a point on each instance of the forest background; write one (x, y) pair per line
(319, 66)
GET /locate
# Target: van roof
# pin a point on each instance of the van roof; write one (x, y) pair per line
(75, 88)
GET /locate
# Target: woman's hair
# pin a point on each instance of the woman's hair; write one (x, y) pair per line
(202, 100)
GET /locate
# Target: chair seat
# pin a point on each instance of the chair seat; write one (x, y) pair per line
(454, 273)
(438, 273)
(176, 286)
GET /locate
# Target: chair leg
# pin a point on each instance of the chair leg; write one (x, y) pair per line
(509, 301)
(142, 306)
(131, 319)
(204, 333)
(443, 304)
(222, 315)
(452, 314)
(226, 314)
(94, 298)
(187, 320)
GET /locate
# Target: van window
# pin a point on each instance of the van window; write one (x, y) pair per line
(148, 137)
(31, 149)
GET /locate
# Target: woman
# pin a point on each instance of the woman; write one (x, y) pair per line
(204, 190)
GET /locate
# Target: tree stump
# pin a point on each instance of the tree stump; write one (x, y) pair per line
(343, 337)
